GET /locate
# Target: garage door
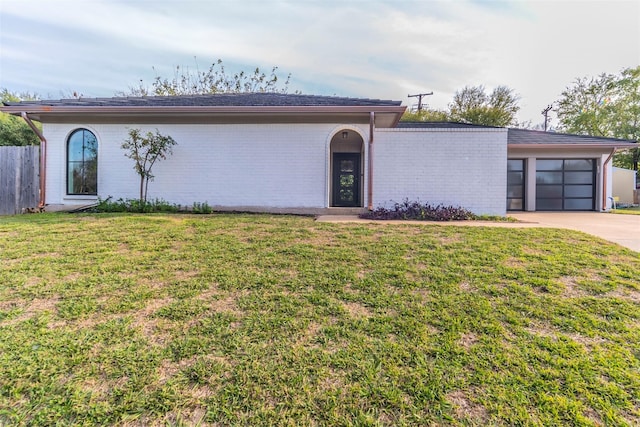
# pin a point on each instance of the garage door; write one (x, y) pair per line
(565, 185)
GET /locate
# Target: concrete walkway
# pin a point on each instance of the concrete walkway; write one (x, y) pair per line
(621, 229)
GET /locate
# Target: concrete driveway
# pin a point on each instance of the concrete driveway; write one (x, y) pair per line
(621, 229)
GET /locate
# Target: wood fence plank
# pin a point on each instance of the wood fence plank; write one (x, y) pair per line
(19, 178)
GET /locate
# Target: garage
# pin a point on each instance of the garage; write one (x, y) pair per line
(550, 171)
(565, 184)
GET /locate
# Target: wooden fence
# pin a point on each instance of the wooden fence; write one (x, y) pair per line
(19, 179)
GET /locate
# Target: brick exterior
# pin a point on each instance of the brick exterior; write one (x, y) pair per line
(244, 165)
(462, 167)
(287, 165)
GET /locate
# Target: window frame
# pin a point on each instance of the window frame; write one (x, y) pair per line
(522, 185)
(85, 160)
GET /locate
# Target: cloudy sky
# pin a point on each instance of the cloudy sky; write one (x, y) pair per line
(359, 48)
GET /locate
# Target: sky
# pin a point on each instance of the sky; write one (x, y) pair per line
(385, 49)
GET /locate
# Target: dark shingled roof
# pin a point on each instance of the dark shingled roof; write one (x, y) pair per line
(527, 136)
(215, 100)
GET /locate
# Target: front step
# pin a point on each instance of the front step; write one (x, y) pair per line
(344, 211)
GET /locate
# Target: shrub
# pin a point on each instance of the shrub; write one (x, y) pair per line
(201, 208)
(134, 205)
(414, 210)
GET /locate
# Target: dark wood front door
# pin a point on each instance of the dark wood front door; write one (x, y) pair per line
(346, 179)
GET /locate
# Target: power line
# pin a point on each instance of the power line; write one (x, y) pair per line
(545, 113)
(419, 96)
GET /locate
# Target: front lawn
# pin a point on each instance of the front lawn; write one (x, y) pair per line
(635, 210)
(278, 320)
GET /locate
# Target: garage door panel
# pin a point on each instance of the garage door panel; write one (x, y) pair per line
(549, 204)
(578, 204)
(515, 178)
(515, 191)
(515, 204)
(565, 184)
(578, 164)
(549, 165)
(550, 191)
(578, 191)
(578, 177)
(545, 177)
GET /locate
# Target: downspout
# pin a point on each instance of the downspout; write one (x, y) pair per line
(604, 180)
(372, 118)
(43, 157)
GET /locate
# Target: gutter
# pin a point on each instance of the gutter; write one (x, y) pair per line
(372, 120)
(604, 179)
(94, 109)
(615, 145)
(43, 157)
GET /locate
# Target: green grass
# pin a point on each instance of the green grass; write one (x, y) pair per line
(627, 211)
(117, 319)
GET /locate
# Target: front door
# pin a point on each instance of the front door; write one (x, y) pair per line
(346, 179)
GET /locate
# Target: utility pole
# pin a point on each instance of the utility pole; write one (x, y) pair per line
(419, 96)
(545, 113)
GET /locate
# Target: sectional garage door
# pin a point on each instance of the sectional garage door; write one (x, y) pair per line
(565, 184)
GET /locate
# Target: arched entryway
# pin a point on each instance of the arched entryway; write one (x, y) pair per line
(347, 169)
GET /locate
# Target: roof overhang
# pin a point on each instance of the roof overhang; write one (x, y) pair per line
(539, 140)
(385, 116)
(607, 145)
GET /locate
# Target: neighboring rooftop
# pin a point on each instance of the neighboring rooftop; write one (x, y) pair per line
(214, 100)
(538, 137)
(528, 137)
(442, 125)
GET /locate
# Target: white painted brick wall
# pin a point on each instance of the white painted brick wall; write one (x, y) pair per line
(274, 165)
(465, 168)
(286, 165)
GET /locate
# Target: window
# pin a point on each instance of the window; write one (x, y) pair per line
(82, 163)
(515, 184)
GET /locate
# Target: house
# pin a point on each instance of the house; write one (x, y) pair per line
(311, 154)
(624, 186)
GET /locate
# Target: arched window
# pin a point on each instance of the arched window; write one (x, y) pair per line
(82, 163)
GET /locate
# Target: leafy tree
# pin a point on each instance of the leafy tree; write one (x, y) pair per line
(14, 130)
(586, 108)
(145, 151)
(473, 105)
(426, 115)
(214, 80)
(608, 106)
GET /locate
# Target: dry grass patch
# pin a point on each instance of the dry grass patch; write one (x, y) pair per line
(468, 340)
(465, 286)
(465, 408)
(29, 309)
(547, 331)
(571, 288)
(630, 295)
(514, 262)
(356, 310)
(227, 304)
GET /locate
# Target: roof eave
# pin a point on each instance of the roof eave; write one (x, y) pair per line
(586, 145)
(47, 109)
